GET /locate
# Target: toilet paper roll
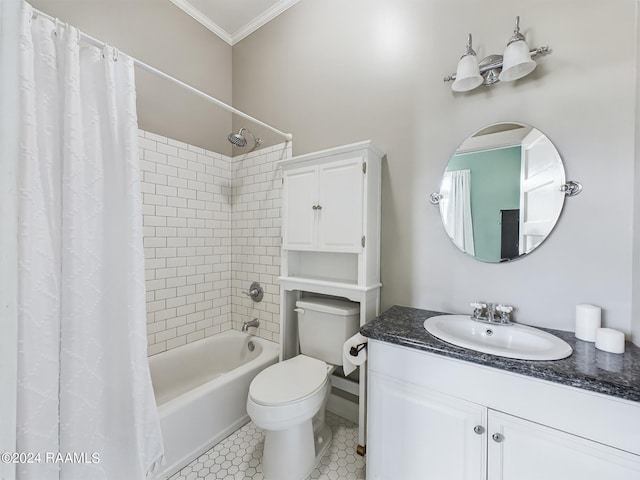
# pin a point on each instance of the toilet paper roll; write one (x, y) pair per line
(351, 362)
(588, 320)
(610, 340)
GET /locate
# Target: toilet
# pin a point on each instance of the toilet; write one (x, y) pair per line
(288, 399)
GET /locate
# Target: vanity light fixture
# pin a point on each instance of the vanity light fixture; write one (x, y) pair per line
(516, 63)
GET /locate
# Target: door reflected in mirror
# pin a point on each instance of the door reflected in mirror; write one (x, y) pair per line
(501, 192)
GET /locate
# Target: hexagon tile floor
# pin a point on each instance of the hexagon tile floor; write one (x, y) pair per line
(238, 457)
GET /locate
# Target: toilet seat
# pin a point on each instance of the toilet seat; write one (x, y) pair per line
(288, 382)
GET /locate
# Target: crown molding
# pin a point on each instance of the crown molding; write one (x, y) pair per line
(197, 15)
(262, 19)
(245, 31)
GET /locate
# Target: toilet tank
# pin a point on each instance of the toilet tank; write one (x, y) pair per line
(324, 325)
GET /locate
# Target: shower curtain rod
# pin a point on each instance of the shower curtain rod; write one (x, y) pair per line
(93, 41)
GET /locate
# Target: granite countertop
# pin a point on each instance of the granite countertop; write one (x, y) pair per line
(588, 368)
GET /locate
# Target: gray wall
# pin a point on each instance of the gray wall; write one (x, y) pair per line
(335, 72)
(161, 35)
(635, 312)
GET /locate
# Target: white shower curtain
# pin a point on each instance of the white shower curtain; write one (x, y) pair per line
(84, 385)
(455, 207)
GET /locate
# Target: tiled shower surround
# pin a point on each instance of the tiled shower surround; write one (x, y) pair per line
(211, 227)
(256, 238)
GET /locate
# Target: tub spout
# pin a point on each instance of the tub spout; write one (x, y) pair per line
(253, 323)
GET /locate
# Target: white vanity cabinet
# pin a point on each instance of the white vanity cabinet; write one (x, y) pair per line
(431, 417)
(524, 450)
(416, 433)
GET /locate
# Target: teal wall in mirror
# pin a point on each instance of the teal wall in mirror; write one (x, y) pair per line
(495, 186)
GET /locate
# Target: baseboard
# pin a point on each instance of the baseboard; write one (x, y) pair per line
(343, 408)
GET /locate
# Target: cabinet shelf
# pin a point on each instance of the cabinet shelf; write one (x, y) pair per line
(318, 280)
(333, 267)
(327, 286)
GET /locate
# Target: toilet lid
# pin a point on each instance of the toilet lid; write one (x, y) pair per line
(288, 381)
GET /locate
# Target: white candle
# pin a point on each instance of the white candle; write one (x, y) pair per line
(610, 340)
(588, 320)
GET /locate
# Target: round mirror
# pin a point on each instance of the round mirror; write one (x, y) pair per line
(500, 195)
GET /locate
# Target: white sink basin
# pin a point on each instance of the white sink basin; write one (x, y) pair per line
(512, 341)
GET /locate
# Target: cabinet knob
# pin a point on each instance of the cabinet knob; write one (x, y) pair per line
(479, 429)
(317, 207)
(497, 437)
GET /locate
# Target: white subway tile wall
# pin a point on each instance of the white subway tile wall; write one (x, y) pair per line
(256, 237)
(211, 227)
(187, 239)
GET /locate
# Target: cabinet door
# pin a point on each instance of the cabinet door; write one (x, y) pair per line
(529, 451)
(419, 434)
(299, 196)
(340, 187)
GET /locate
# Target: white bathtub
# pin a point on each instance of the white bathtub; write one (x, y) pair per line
(201, 390)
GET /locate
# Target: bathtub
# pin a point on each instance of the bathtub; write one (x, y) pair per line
(201, 391)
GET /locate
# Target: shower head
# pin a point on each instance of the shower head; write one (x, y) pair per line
(237, 139)
(240, 141)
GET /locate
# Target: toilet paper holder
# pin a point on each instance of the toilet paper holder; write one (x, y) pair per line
(355, 350)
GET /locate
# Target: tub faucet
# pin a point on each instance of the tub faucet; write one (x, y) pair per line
(253, 323)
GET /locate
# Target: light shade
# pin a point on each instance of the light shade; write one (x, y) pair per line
(467, 75)
(517, 61)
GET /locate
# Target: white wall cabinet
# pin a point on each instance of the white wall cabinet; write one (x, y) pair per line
(300, 224)
(322, 207)
(331, 243)
(429, 420)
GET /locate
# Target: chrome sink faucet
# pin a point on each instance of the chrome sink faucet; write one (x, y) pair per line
(491, 313)
(505, 314)
(478, 310)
